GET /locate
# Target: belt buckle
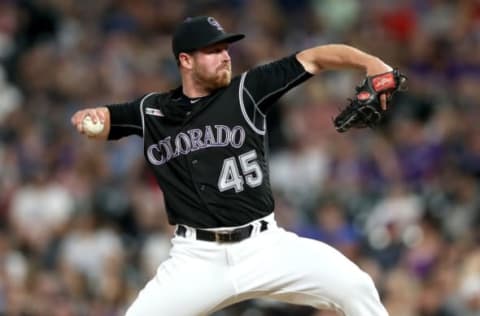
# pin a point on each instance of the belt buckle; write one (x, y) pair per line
(223, 236)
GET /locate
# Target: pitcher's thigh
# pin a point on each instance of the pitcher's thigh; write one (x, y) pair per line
(193, 289)
(312, 273)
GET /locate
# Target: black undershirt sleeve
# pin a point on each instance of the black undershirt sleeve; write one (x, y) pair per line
(125, 119)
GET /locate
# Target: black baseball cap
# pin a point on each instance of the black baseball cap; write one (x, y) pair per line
(199, 32)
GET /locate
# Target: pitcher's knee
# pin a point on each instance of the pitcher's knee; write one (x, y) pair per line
(132, 311)
(363, 298)
(129, 312)
(365, 285)
(140, 307)
(356, 284)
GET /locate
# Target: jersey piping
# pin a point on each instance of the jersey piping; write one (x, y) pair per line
(142, 115)
(128, 125)
(279, 90)
(242, 106)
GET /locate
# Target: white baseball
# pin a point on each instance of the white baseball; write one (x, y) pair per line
(90, 128)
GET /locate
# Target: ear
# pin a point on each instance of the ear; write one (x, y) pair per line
(185, 60)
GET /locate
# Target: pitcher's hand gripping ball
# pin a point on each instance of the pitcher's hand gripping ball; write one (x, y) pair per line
(91, 128)
(365, 108)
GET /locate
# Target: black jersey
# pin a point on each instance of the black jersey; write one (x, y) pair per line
(209, 154)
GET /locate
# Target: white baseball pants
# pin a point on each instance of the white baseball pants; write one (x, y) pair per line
(201, 277)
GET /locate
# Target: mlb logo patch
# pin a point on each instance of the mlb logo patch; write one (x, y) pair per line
(154, 112)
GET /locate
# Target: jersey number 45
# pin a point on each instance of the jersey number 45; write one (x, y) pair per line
(231, 178)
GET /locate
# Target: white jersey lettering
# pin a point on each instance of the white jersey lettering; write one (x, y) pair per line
(195, 139)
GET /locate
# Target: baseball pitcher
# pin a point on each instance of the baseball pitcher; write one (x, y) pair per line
(206, 144)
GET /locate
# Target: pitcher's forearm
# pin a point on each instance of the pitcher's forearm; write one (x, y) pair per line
(339, 56)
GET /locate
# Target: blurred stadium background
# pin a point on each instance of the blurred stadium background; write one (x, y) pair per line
(82, 224)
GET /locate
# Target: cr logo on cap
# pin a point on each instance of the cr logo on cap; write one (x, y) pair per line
(215, 23)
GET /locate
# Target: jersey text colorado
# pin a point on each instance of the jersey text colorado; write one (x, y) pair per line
(185, 142)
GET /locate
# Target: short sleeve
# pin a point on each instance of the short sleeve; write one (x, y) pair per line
(125, 119)
(267, 83)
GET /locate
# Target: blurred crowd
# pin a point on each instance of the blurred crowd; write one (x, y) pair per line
(82, 223)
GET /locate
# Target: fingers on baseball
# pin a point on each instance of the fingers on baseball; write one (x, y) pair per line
(94, 115)
(76, 121)
(79, 127)
(97, 116)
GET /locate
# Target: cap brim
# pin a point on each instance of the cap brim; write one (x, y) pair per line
(224, 38)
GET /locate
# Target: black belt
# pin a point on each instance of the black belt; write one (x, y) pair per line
(234, 235)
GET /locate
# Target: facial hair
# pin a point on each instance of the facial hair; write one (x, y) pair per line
(213, 81)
